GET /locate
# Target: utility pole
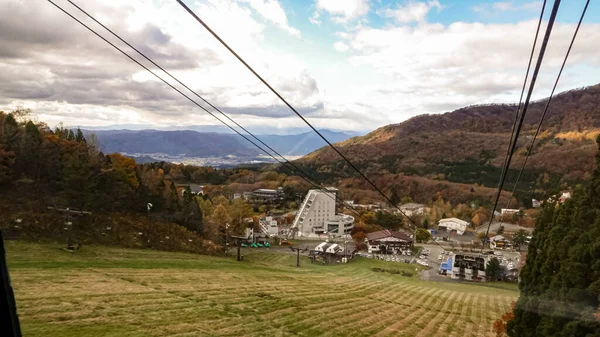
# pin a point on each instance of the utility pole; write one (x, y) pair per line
(297, 250)
(68, 221)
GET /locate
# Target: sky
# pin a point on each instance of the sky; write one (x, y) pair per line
(352, 65)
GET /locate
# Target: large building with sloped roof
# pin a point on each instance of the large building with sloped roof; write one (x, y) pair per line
(388, 242)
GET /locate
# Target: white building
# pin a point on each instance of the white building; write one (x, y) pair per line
(317, 215)
(412, 208)
(453, 224)
(268, 225)
(509, 211)
(330, 248)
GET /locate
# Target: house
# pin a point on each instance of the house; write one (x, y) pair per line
(268, 225)
(535, 203)
(500, 242)
(331, 252)
(267, 195)
(564, 197)
(194, 188)
(237, 196)
(318, 215)
(349, 203)
(247, 195)
(329, 248)
(508, 211)
(453, 225)
(388, 242)
(412, 208)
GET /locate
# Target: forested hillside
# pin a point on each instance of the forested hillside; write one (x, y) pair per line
(560, 283)
(468, 146)
(40, 167)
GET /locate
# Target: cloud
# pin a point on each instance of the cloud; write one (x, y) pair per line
(342, 11)
(444, 67)
(60, 72)
(272, 11)
(315, 18)
(413, 11)
(506, 6)
(341, 46)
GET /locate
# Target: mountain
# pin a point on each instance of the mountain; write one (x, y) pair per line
(207, 144)
(187, 143)
(301, 144)
(265, 129)
(468, 145)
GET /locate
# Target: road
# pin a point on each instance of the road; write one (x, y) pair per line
(431, 274)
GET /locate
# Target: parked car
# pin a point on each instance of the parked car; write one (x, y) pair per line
(285, 243)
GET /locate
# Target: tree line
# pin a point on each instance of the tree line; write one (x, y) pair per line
(560, 282)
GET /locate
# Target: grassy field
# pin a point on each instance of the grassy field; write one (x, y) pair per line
(104, 291)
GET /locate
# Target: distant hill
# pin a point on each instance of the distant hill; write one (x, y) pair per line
(188, 143)
(207, 144)
(468, 145)
(301, 144)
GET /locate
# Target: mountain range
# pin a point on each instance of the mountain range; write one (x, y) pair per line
(469, 145)
(189, 143)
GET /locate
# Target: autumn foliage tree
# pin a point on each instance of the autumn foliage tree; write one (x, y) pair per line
(499, 326)
(41, 167)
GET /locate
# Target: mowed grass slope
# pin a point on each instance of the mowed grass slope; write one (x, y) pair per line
(103, 291)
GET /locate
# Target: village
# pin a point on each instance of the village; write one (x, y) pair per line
(451, 249)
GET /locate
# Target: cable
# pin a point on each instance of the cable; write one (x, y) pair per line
(191, 100)
(512, 132)
(525, 107)
(548, 103)
(120, 50)
(291, 107)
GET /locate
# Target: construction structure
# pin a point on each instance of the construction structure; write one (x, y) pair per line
(318, 215)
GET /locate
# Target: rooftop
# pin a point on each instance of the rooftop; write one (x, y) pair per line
(457, 220)
(387, 233)
(508, 227)
(411, 205)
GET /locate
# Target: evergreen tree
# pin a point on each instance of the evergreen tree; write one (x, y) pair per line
(560, 283)
(79, 136)
(493, 269)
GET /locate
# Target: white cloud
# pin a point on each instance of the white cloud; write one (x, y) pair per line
(272, 11)
(439, 68)
(91, 76)
(341, 46)
(502, 6)
(315, 18)
(506, 6)
(413, 11)
(342, 11)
